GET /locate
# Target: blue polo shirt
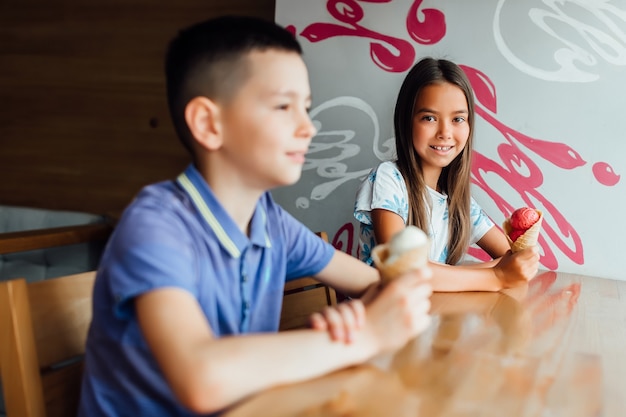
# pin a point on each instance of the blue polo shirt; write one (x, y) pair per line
(177, 234)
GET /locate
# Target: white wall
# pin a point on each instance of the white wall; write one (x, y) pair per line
(550, 86)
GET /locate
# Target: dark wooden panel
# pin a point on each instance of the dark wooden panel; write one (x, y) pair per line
(83, 117)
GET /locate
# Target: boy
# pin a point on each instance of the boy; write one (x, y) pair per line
(197, 263)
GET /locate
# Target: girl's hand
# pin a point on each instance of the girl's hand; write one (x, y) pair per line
(341, 321)
(517, 268)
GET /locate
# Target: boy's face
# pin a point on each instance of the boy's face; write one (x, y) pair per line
(266, 127)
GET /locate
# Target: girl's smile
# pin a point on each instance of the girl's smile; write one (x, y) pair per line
(442, 149)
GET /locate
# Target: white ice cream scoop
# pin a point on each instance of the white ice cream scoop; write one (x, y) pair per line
(405, 240)
(406, 250)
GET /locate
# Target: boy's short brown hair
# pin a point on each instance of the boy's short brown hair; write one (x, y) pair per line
(209, 59)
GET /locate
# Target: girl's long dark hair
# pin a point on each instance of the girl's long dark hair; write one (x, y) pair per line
(455, 178)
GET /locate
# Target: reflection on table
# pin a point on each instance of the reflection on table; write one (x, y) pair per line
(554, 348)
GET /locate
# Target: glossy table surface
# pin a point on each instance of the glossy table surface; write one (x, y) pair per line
(554, 348)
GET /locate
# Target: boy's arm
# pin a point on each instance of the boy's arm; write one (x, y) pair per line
(208, 373)
(348, 275)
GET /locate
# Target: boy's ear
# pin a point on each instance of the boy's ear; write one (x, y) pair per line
(203, 119)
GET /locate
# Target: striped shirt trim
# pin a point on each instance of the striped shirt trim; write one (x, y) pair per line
(208, 216)
(268, 243)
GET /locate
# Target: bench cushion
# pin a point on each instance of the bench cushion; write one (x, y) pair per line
(41, 264)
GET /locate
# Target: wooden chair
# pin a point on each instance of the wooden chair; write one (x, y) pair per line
(304, 296)
(43, 329)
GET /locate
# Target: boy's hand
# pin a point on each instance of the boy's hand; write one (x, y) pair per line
(517, 268)
(341, 321)
(401, 310)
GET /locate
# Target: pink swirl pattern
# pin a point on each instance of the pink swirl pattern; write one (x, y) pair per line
(344, 234)
(517, 154)
(518, 169)
(389, 53)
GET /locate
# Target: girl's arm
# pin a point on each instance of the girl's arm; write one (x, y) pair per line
(494, 243)
(508, 271)
(386, 224)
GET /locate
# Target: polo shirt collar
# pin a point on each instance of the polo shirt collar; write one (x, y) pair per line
(233, 240)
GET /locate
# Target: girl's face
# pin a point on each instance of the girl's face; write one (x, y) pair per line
(440, 128)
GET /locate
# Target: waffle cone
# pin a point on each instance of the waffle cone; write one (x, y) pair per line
(412, 259)
(528, 239)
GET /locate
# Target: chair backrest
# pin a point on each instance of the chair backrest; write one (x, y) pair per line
(52, 252)
(43, 329)
(56, 236)
(304, 296)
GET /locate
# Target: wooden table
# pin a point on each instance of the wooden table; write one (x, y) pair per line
(554, 348)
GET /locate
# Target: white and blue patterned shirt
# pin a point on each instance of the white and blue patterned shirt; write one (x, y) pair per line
(384, 188)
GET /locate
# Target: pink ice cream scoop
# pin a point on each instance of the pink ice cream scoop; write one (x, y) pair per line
(515, 233)
(523, 218)
(523, 227)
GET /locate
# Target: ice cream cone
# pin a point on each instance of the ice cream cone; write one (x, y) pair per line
(528, 239)
(411, 259)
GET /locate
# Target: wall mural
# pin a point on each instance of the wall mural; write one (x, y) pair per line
(511, 168)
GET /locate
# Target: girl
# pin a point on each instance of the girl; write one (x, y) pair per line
(429, 185)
